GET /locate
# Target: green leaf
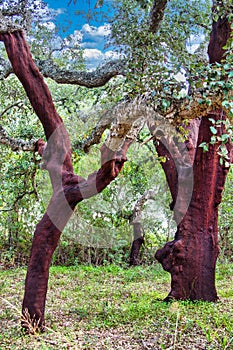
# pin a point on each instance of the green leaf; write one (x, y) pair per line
(205, 146)
(225, 103)
(213, 130)
(213, 121)
(224, 138)
(213, 140)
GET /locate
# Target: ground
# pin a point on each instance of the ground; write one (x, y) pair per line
(108, 308)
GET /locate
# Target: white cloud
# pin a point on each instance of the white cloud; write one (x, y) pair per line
(92, 54)
(112, 55)
(74, 39)
(95, 57)
(59, 11)
(93, 44)
(95, 37)
(96, 31)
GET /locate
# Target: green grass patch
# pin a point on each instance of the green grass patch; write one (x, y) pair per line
(115, 308)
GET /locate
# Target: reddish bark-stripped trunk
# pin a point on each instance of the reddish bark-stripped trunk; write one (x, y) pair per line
(191, 256)
(68, 188)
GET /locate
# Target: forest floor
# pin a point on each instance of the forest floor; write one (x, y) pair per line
(108, 308)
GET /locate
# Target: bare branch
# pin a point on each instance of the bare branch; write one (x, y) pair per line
(17, 104)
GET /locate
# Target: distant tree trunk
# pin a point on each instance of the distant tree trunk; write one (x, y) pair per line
(138, 238)
(191, 256)
(136, 245)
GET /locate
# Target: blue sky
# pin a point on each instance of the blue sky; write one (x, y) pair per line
(67, 14)
(72, 20)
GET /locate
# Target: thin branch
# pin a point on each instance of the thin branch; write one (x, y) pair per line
(16, 145)
(21, 196)
(94, 138)
(17, 104)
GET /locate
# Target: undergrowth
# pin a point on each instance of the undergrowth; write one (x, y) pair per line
(115, 308)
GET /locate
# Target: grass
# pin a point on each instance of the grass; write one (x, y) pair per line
(114, 308)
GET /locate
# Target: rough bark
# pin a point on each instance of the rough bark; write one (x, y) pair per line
(96, 78)
(221, 31)
(99, 77)
(68, 188)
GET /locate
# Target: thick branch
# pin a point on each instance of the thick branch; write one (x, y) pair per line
(125, 113)
(97, 132)
(119, 119)
(99, 77)
(32, 81)
(194, 108)
(177, 163)
(96, 78)
(156, 14)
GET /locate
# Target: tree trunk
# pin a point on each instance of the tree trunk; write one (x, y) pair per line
(68, 188)
(136, 245)
(136, 216)
(191, 256)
